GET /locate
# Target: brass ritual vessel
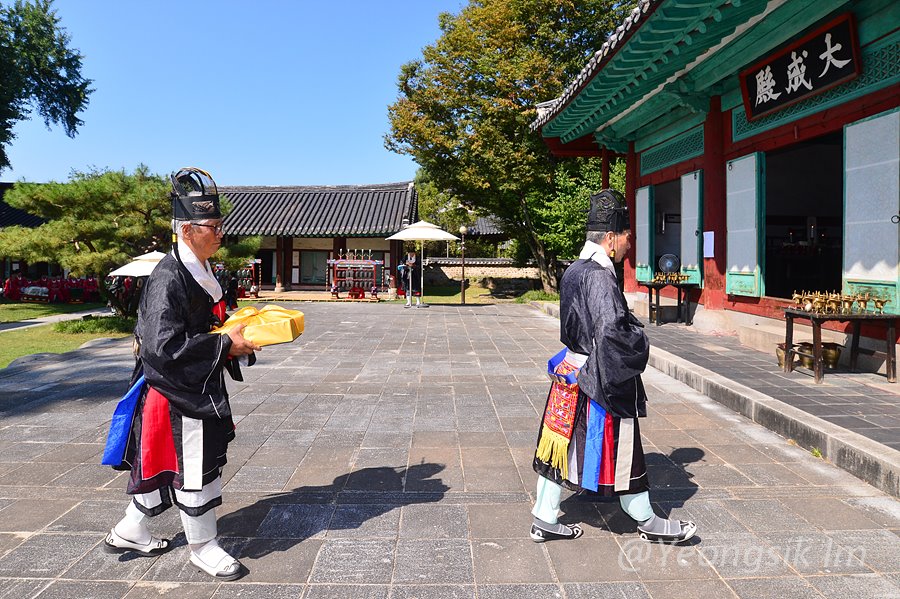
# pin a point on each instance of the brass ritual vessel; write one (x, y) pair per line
(846, 304)
(780, 354)
(831, 354)
(834, 302)
(807, 360)
(670, 278)
(825, 302)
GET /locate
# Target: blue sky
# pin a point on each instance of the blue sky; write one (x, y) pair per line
(261, 92)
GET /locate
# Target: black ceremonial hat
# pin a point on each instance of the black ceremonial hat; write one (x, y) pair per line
(608, 212)
(194, 195)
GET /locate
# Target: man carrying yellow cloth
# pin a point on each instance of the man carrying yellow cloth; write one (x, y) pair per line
(182, 424)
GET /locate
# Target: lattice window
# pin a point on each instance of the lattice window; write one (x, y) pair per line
(687, 145)
(880, 68)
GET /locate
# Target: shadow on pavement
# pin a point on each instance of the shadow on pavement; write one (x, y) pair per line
(279, 521)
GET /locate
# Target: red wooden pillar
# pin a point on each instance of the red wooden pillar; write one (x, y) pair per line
(631, 177)
(714, 297)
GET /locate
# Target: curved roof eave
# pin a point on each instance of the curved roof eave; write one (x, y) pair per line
(672, 38)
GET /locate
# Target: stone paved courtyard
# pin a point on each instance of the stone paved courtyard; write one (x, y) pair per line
(387, 454)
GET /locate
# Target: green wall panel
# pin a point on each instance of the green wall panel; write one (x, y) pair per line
(743, 283)
(643, 272)
(882, 290)
(685, 146)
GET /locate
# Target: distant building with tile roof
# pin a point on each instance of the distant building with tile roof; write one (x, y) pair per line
(302, 227)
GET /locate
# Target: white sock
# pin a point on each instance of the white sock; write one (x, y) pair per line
(199, 529)
(211, 554)
(132, 527)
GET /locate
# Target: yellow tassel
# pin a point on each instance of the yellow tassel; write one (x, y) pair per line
(553, 449)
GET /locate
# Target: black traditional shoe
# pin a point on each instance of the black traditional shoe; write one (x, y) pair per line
(539, 535)
(686, 530)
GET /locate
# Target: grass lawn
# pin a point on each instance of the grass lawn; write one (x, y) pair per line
(450, 295)
(43, 339)
(18, 311)
(479, 295)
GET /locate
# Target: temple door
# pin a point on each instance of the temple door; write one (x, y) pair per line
(692, 226)
(744, 205)
(643, 235)
(872, 208)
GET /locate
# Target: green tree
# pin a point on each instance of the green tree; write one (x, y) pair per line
(95, 222)
(38, 70)
(565, 213)
(100, 220)
(464, 109)
(440, 208)
(234, 255)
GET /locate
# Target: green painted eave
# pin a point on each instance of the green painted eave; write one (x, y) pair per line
(672, 37)
(663, 59)
(769, 33)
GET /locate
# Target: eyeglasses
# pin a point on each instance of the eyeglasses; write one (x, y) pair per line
(217, 229)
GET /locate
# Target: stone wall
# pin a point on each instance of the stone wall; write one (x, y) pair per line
(435, 273)
(498, 275)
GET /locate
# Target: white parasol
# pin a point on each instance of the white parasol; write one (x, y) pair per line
(140, 266)
(422, 231)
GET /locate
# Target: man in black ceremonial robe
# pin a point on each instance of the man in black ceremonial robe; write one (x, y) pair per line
(182, 424)
(589, 440)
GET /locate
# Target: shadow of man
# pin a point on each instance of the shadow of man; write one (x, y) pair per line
(671, 485)
(360, 499)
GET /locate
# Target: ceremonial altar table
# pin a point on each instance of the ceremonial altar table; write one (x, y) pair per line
(682, 291)
(856, 320)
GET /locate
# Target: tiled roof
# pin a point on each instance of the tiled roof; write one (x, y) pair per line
(10, 216)
(548, 110)
(321, 211)
(486, 227)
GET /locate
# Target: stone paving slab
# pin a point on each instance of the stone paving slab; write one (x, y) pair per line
(387, 454)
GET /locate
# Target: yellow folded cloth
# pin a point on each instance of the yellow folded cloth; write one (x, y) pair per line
(271, 325)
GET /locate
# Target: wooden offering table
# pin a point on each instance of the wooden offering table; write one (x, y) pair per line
(682, 291)
(856, 320)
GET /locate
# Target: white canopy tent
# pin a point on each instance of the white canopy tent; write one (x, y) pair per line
(140, 266)
(422, 231)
